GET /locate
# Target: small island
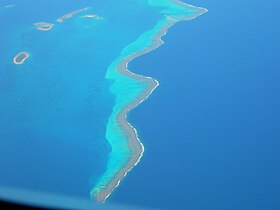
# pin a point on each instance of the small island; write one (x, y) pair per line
(21, 57)
(71, 14)
(43, 26)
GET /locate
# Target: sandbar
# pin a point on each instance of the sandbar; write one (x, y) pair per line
(10, 5)
(43, 26)
(94, 16)
(21, 57)
(71, 14)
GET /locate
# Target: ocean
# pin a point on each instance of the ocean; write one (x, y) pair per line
(210, 129)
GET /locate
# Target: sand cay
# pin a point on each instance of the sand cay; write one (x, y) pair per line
(43, 26)
(71, 14)
(21, 57)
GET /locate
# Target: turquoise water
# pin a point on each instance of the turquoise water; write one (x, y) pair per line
(59, 130)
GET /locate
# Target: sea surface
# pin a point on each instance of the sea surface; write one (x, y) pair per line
(59, 131)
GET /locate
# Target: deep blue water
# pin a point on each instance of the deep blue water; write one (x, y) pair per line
(44, 150)
(211, 130)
